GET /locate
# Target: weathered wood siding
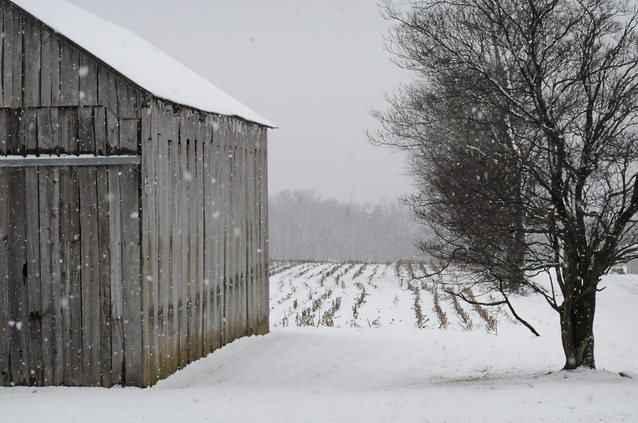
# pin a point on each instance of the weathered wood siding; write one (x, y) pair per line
(203, 198)
(67, 237)
(120, 274)
(40, 68)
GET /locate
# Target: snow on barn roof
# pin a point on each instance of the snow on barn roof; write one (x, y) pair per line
(137, 59)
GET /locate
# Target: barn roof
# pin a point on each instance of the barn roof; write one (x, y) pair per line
(137, 59)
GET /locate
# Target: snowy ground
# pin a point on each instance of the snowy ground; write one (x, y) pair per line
(375, 365)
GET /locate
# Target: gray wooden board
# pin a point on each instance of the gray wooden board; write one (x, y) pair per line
(87, 73)
(5, 329)
(183, 225)
(151, 210)
(99, 122)
(86, 130)
(226, 213)
(192, 286)
(146, 263)
(129, 136)
(199, 250)
(74, 363)
(69, 75)
(2, 15)
(48, 244)
(91, 313)
(115, 252)
(104, 273)
(264, 224)
(209, 227)
(32, 54)
(218, 234)
(49, 59)
(18, 301)
(161, 231)
(65, 272)
(112, 133)
(165, 254)
(7, 57)
(16, 61)
(131, 295)
(28, 131)
(174, 192)
(4, 127)
(148, 281)
(33, 324)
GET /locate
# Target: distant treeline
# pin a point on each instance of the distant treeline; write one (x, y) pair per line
(305, 226)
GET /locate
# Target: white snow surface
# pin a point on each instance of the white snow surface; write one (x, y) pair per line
(389, 373)
(137, 59)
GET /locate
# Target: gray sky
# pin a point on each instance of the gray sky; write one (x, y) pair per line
(314, 68)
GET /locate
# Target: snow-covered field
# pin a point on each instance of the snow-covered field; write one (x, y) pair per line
(375, 358)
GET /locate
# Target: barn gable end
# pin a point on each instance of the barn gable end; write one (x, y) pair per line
(133, 230)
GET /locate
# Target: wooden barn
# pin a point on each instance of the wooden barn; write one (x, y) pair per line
(133, 205)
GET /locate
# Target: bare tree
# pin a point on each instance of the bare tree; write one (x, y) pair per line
(521, 124)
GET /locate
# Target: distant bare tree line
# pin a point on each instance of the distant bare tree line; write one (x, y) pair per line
(304, 225)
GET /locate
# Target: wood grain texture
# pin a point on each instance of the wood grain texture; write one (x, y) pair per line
(76, 263)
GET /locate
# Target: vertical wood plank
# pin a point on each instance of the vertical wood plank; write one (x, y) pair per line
(125, 101)
(50, 254)
(164, 247)
(87, 73)
(243, 208)
(218, 233)
(18, 55)
(175, 253)
(101, 139)
(250, 170)
(115, 259)
(131, 295)
(4, 128)
(75, 360)
(91, 307)
(201, 286)
(47, 63)
(112, 133)
(18, 299)
(32, 57)
(86, 130)
(265, 303)
(207, 209)
(129, 136)
(7, 57)
(64, 328)
(104, 273)
(5, 329)
(148, 248)
(35, 312)
(54, 68)
(50, 275)
(183, 225)
(226, 214)
(191, 281)
(69, 75)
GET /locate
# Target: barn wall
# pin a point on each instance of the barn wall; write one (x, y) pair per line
(170, 256)
(79, 322)
(69, 254)
(42, 68)
(204, 200)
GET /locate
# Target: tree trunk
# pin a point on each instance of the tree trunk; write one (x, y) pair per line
(577, 330)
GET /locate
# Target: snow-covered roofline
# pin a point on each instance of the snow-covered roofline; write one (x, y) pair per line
(137, 59)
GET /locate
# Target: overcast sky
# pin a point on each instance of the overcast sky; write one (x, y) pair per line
(313, 67)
